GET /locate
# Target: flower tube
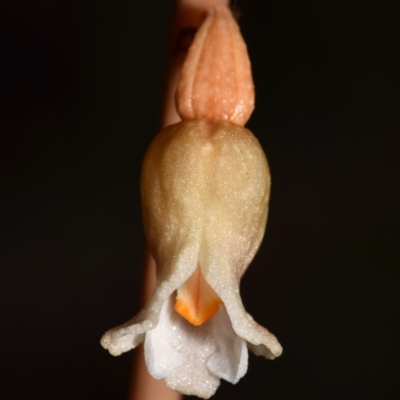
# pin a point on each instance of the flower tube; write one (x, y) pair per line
(205, 188)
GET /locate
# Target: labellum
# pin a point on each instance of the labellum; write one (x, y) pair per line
(205, 188)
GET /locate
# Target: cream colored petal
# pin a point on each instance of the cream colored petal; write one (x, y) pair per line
(129, 335)
(223, 262)
(205, 190)
(193, 359)
(204, 182)
(260, 341)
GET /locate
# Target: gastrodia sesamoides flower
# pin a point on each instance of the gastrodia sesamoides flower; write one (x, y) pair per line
(205, 188)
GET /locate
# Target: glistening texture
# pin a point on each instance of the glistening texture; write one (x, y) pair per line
(193, 359)
(205, 190)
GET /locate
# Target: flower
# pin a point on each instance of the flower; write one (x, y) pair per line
(205, 188)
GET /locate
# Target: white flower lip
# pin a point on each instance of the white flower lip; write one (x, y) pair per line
(205, 191)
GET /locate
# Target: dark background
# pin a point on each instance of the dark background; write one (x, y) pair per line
(80, 99)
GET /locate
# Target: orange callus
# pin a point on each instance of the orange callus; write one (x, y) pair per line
(196, 301)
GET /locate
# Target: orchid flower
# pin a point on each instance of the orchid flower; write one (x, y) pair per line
(205, 188)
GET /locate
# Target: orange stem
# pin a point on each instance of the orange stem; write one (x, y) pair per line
(188, 16)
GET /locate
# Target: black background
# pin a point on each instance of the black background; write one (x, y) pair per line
(80, 99)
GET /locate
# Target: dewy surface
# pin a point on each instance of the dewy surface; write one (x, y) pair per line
(205, 189)
(205, 184)
(193, 359)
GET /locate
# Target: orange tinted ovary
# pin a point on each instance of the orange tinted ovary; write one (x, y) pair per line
(196, 301)
(216, 82)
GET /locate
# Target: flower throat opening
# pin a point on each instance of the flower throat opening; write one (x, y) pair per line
(196, 301)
